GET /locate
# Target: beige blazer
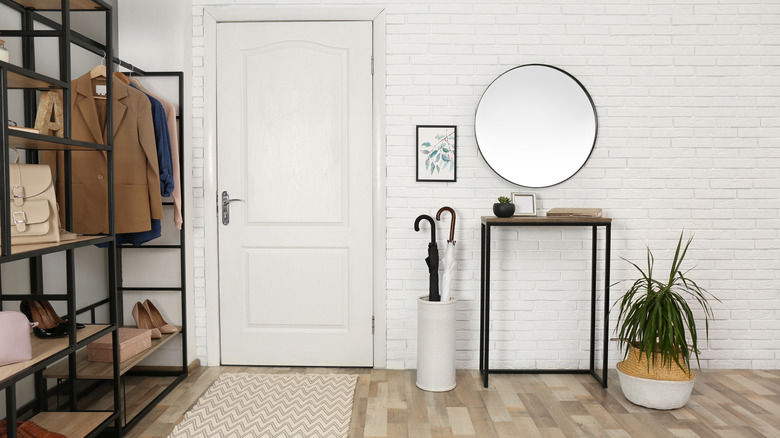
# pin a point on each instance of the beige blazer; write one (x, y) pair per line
(136, 174)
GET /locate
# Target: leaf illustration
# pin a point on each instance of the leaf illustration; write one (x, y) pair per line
(426, 144)
(427, 163)
(433, 154)
(445, 158)
(432, 169)
(425, 151)
(452, 165)
(438, 158)
(437, 169)
(445, 149)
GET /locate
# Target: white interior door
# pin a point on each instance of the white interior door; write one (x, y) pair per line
(294, 143)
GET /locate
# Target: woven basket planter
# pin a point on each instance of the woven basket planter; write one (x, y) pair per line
(659, 387)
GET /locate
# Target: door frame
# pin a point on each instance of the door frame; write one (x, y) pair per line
(225, 14)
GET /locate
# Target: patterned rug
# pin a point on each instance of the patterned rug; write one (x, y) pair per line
(272, 405)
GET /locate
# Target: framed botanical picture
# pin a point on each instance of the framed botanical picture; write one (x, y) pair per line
(525, 204)
(435, 150)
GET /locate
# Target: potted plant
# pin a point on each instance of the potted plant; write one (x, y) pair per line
(504, 207)
(658, 331)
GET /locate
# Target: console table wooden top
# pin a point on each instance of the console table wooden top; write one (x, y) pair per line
(522, 220)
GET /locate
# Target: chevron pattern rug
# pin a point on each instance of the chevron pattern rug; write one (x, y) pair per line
(245, 405)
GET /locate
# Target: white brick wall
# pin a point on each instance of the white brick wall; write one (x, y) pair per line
(687, 93)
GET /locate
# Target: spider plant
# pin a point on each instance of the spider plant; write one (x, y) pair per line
(655, 316)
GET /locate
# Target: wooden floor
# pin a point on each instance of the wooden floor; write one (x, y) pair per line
(725, 403)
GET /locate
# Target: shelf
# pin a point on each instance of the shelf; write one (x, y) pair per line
(29, 140)
(19, 252)
(43, 349)
(139, 394)
(21, 78)
(103, 370)
(56, 5)
(71, 424)
(546, 220)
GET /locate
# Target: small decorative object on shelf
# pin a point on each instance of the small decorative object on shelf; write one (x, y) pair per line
(49, 120)
(504, 207)
(656, 322)
(4, 56)
(525, 204)
(574, 212)
(436, 153)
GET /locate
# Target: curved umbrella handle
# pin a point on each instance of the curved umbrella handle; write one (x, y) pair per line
(429, 219)
(452, 221)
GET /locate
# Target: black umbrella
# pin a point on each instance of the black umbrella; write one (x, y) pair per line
(432, 260)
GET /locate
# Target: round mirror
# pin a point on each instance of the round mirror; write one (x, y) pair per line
(535, 125)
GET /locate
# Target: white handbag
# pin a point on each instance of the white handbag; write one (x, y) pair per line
(34, 216)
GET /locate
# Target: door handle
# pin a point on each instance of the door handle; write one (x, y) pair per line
(226, 207)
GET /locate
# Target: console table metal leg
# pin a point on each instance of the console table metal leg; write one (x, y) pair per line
(482, 317)
(486, 312)
(594, 261)
(607, 250)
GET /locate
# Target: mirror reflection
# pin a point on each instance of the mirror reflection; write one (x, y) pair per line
(535, 125)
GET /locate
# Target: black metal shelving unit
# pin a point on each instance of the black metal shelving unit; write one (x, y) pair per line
(70, 416)
(178, 373)
(69, 372)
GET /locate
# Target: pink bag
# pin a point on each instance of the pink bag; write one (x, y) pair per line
(15, 343)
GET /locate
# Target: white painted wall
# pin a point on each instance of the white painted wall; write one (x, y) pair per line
(687, 95)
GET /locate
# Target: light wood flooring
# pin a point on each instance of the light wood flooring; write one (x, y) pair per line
(725, 403)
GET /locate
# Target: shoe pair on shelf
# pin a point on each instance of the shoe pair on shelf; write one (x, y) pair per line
(147, 316)
(50, 325)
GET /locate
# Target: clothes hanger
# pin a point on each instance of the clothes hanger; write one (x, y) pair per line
(99, 70)
(122, 77)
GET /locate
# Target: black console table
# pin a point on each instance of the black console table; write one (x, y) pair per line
(488, 222)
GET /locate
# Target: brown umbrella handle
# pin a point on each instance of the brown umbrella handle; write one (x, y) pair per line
(452, 221)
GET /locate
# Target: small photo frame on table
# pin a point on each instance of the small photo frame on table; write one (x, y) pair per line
(435, 151)
(525, 204)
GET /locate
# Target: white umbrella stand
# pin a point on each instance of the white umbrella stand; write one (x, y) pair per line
(436, 327)
(435, 345)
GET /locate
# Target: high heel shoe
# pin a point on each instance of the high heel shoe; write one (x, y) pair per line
(158, 320)
(46, 327)
(144, 321)
(55, 317)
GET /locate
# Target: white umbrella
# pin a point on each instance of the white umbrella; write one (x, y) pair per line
(448, 262)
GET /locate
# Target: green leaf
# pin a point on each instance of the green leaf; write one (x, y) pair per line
(427, 144)
(656, 317)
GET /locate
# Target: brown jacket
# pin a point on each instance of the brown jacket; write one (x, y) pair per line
(136, 174)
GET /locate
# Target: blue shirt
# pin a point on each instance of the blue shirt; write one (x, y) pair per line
(163, 140)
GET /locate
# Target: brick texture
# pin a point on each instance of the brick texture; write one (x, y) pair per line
(688, 98)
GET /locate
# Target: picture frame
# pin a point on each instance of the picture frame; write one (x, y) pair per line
(436, 153)
(525, 204)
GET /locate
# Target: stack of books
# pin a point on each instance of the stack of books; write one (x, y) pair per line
(574, 212)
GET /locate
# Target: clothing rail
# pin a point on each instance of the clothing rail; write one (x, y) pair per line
(181, 247)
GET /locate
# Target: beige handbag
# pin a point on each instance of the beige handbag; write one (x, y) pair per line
(34, 217)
